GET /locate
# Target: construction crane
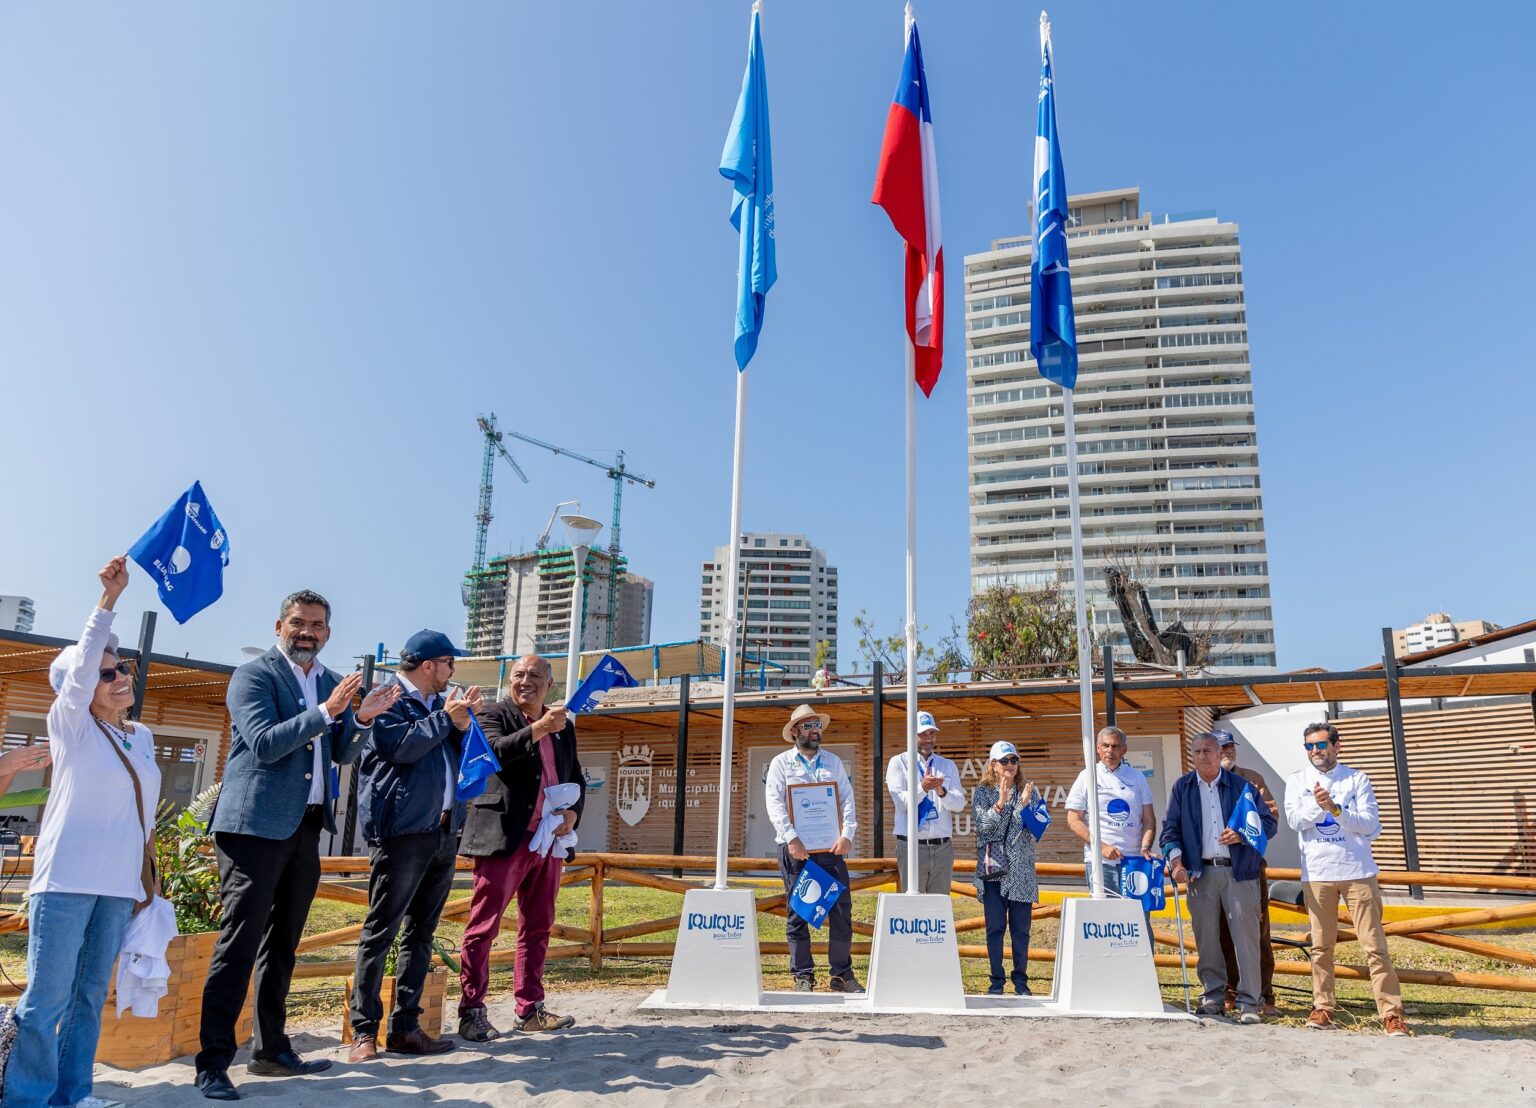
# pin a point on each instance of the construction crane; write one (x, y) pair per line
(619, 473)
(574, 505)
(476, 583)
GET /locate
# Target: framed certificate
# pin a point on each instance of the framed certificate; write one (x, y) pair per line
(816, 814)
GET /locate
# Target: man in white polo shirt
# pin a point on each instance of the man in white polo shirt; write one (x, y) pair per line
(1333, 809)
(1127, 822)
(941, 796)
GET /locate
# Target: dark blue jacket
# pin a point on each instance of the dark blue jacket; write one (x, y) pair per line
(404, 766)
(1183, 828)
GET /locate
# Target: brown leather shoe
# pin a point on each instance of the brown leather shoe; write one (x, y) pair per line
(363, 1050)
(1320, 1020)
(416, 1041)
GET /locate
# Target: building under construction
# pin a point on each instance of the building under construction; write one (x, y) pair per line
(525, 604)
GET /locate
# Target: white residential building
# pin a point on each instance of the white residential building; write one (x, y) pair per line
(788, 603)
(525, 604)
(17, 613)
(1168, 449)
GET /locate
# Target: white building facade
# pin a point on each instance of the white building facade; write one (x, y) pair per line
(17, 613)
(1167, 442)
(788, 603)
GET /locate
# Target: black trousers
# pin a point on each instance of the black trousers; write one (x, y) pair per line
(1014, 916)
(839, 919)
(267, 886)
(411, 878)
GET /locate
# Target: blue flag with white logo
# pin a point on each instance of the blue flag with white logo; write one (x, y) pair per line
(1142, 879)
(609, 674)
(815, 893)
(1034, 818)
(185, 552)
(477, 762)
(1247, 821)
(1052, 330)
(747, 162)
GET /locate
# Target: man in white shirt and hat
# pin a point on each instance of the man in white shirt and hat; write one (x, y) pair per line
(941, 795)
(802, 764)
(1333, 810)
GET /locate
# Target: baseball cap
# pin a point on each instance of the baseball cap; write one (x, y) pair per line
(1002, 749)
(426, 644)
(925, 722)
(1225, 738)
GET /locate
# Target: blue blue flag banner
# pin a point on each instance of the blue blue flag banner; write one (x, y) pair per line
(1142, 879)
(1034, 817)
(477, 762)
(609, 674)
(1247, 822)
(1052, 330)
(185, 552)
(747, 162)
(815, 893)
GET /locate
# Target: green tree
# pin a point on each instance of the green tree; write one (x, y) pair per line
(1016, 633)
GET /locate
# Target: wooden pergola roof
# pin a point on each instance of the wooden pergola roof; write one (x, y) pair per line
(25, 658)
(1023, 699)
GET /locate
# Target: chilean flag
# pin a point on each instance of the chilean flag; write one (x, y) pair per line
(907, 187)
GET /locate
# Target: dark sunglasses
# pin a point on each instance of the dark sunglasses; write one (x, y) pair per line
(1315, 746)
(110, 675)
(449, 662)
(1009, 760)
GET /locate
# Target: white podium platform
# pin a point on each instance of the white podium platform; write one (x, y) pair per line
(1104, 960)
(839, 1004)
(717, 961)
(915, 959)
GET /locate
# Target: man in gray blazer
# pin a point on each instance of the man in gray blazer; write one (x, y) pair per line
(291, 721)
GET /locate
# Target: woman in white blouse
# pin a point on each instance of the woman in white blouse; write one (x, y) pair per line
(89, 870)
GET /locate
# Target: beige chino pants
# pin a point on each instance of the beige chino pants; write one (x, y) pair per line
(1364, 901)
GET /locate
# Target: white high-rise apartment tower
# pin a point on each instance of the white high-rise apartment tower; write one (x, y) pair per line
(789, 597)
(1167, 446)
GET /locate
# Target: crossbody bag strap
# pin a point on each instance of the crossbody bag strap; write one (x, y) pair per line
(146, 878)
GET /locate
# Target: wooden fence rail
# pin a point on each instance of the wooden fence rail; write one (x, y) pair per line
(595, 942)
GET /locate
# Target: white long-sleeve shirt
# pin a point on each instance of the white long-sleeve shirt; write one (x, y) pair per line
(92, 840)
(1334, 848)
(953, 800)
(789, 769)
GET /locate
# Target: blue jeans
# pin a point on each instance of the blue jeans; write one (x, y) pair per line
(1014, 917)
(75, 939)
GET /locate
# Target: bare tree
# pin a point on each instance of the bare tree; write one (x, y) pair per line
(1131, 572)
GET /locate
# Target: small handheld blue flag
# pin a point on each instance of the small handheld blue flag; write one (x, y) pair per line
(1052, 329)
(1247, 822)
(185, 552)
(609, 674)
(1142, 879)
(476, 764)
(747, 162)
(1034, 818)
(815, 893)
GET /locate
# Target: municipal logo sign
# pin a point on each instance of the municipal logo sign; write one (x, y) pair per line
(633, 797)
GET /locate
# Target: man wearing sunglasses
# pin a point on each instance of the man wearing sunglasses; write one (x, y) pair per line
(1333, 810)
(407, 778)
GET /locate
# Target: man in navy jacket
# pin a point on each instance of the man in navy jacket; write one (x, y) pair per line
(411, 816)
(1222, 872)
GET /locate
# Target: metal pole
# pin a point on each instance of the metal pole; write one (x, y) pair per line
(349, 825)
(679, 792)
(1178, 915)
(1109, 685)
(1084, 663)
(732, 624)
(911, 628)
(1400, 760)
(877, 745)
(141, 678)
(573, 644)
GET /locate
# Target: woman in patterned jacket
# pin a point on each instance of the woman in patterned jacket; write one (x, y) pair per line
(1008, 900)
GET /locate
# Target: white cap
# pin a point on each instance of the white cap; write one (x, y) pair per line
(925, 722)
(1002, 749)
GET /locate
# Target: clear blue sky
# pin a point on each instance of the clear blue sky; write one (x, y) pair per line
(292, 249)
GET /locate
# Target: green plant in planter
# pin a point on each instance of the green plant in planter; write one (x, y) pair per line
(189, 875)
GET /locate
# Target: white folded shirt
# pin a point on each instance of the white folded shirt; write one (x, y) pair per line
(142, 971)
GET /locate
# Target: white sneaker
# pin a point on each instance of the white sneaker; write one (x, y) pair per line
(98, 1102)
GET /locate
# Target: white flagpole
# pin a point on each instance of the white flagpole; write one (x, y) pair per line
(732, 625)
(910, 392)
(1084, 649)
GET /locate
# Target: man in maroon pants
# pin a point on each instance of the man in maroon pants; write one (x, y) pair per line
(536, 746)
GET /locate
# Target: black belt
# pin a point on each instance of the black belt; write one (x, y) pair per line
(1217, 861)
(314, 809)
(923, 842)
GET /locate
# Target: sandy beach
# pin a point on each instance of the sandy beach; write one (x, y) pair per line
(621, 1055)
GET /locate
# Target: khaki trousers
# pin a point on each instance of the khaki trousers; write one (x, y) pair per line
(1364, 901)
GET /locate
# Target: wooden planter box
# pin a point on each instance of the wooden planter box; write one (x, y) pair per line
(133, 1042)
(434, 995)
